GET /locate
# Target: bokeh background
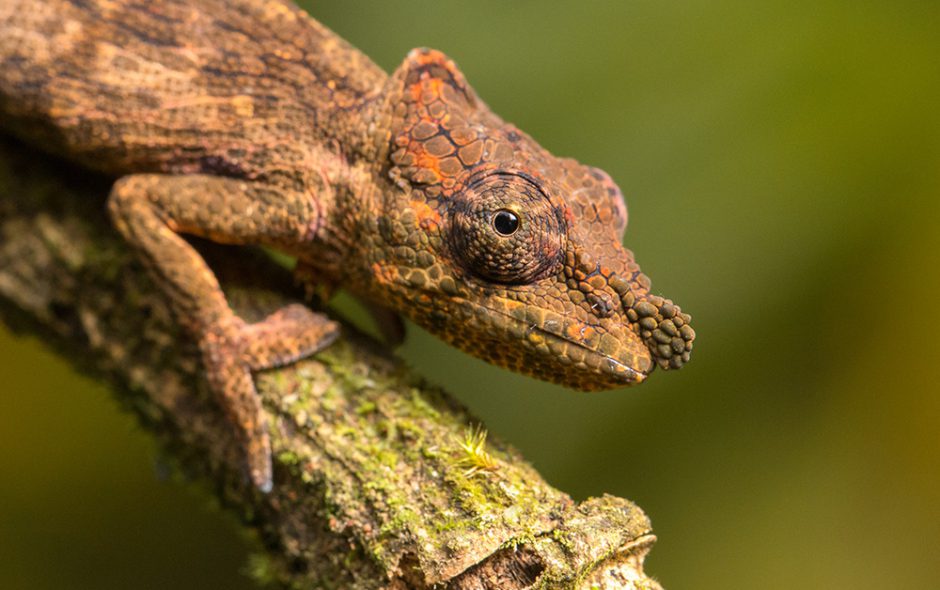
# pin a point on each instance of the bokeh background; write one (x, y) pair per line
(780, 161)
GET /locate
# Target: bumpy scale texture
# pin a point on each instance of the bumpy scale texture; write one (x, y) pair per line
(247, 122)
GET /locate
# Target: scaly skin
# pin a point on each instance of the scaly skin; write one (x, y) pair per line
(248, 122)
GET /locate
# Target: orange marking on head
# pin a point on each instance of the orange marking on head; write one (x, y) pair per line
(384, 274)
(430, 163)
(573, 332)
(435, 85)
(579, 332)
(415, 90)
(425, 214)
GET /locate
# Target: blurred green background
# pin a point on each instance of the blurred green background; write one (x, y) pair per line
(781, 162)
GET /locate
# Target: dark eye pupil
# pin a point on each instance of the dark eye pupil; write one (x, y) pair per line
(505, 222)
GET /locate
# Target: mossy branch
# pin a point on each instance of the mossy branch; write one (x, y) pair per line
(374, 487)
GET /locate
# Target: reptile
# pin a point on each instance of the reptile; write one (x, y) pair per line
(248, 122)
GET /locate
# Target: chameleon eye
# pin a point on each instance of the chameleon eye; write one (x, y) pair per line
(505, 222)
(490, 240)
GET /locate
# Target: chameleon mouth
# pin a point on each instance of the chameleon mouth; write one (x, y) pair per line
(612, 366)
(600, 360)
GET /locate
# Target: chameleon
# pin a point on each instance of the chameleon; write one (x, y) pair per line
(248, 122)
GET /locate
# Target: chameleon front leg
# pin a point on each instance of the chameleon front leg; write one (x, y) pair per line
(151, 211)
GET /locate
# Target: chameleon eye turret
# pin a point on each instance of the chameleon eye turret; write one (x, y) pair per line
(505, 230)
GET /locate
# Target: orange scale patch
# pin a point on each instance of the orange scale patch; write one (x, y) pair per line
(385, 275)
(425, 215)
(430, 163)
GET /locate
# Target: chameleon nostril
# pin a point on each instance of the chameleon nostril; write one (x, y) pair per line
(601, 304)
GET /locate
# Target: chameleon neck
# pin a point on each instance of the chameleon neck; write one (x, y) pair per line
(182, 86)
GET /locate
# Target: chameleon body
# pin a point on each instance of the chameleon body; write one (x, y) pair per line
(247, 122)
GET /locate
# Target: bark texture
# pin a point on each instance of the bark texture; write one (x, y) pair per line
(372, 486)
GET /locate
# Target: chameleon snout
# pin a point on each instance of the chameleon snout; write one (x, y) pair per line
(647, 328)
(664, 328)
(609, 348)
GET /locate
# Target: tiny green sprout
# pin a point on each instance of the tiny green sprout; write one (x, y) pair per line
(476, 459)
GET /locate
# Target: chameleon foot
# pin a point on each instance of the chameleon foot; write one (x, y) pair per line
(233, 349)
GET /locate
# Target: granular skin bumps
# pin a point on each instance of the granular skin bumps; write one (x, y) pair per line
(247, 122)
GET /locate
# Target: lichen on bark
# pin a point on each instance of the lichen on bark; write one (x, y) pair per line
(371, 487)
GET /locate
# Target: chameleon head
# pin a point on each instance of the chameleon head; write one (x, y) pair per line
(506, 251)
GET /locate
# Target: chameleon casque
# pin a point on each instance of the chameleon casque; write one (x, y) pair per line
(247, 122)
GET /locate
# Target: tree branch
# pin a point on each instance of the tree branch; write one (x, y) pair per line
(372, 487)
